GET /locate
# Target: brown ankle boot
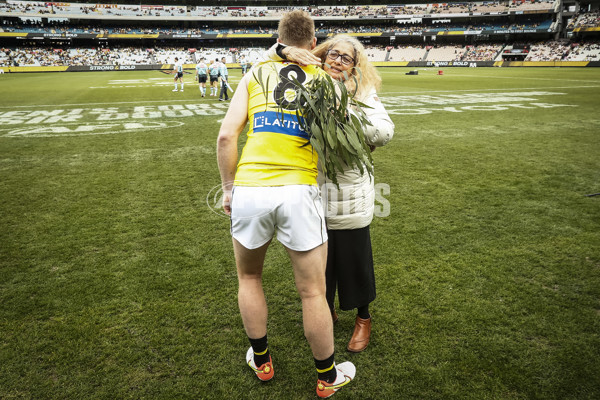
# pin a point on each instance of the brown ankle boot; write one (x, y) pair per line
(361, 336)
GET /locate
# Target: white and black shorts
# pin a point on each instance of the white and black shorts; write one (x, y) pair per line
(178, 75)
(294, 212)
(201, 78)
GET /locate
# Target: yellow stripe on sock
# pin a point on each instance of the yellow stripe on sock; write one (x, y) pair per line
(320, 371)
(264, 352)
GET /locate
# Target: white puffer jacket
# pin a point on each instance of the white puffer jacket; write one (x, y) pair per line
(351, 206)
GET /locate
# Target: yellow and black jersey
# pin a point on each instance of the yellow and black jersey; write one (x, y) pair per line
(276, 151)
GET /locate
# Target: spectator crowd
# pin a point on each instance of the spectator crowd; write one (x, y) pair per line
(555, 50)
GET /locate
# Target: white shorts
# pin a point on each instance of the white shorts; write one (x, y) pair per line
(295, 212)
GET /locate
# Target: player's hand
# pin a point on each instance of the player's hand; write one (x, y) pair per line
(301, 56)
(227, 202)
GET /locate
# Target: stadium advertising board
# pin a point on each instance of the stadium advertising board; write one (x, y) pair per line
(411, 64)
(505, 31)
(438, 64)
(42, 35)
(113, 67)
(471, 64)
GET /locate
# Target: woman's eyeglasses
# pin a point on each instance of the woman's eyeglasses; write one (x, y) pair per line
(334, 55)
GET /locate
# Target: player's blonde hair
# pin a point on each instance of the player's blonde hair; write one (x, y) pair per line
(296, 28)
(366, 79)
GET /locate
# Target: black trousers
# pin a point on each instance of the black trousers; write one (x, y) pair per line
(223, 94)
(350, 268)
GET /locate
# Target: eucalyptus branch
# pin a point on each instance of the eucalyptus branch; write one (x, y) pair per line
(332, 117)
(335, 122)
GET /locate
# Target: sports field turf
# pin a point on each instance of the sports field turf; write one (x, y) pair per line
(117, 277)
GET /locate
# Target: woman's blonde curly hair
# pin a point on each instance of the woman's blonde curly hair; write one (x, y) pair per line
(368, 77)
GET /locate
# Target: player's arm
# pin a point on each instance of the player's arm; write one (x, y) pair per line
(227, 154)
(279, 52)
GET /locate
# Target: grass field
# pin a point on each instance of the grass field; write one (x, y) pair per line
(117, 278)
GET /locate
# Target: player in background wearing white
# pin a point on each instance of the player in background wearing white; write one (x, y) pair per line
(201, 74)
(213, 71)
(244, 64)
(178, 71)
(224, 75)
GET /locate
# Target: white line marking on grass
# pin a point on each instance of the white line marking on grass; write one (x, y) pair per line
(528, 78)
(109, 103)
(384, 93)
(494, 90)
(92, 129)
(504, 77)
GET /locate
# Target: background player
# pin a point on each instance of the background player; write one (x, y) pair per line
(178, 71)
(214, 70)
(244, 64)
(201, 74)
(224, 76)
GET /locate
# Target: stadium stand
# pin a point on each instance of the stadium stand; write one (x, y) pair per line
(408, 53)
(35, 33)
(168, 55)
(353, 11)
(584, 52)
(377, 53)
(587, 20)
(118, 56)
(549, 51)
(482, 52)
(446, 53)
(325, 30)
(409, 9)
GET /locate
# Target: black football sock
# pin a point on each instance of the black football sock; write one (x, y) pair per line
(261, 350)
(326, 369)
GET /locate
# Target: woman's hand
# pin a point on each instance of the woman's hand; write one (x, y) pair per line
(301, 56)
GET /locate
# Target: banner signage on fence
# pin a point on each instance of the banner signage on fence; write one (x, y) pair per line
(471, 64)
(409, 64)
(114, 67)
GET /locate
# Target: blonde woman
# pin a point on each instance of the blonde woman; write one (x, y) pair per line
(349, 208)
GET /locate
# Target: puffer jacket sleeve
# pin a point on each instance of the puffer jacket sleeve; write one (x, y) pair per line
(382, 129)
(271, 54)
